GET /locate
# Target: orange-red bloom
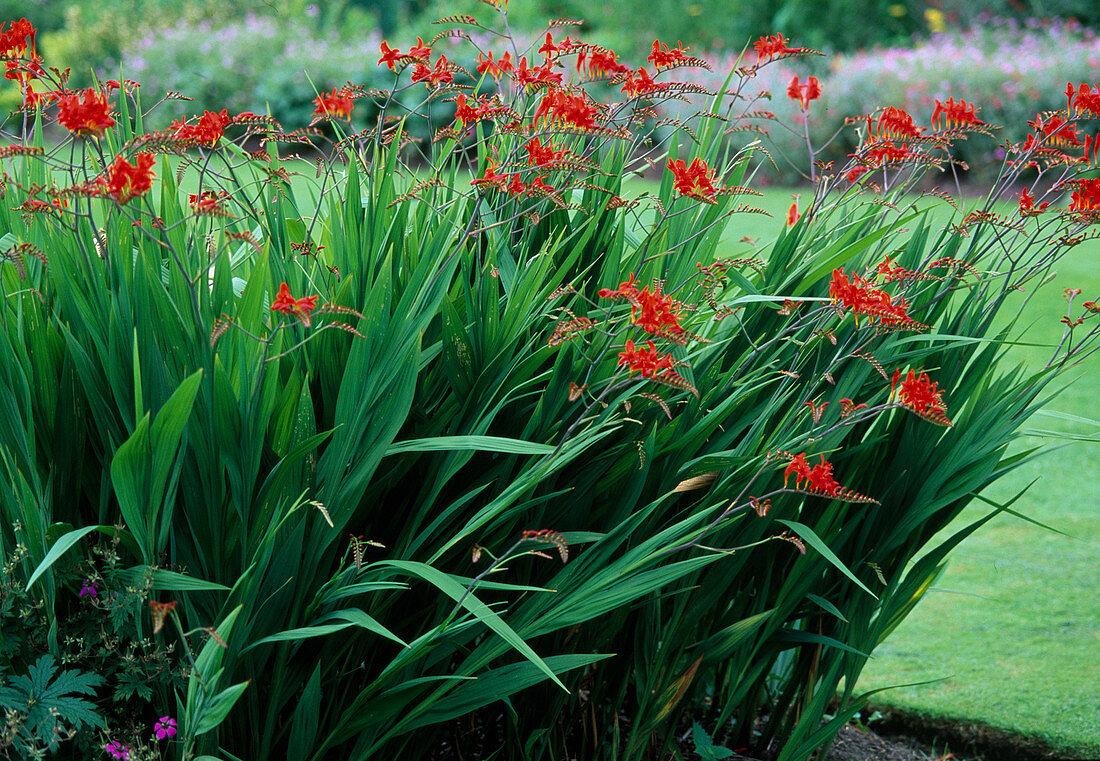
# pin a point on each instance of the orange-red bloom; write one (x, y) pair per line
(90, 116)
(863, 298)
(1084, 99)
(805, 92)
(662, 56)
(653, 312)
(819, 479)
(441, 73)
(490, 177)
(420, 50)
(1086, 197)
(922, 396)
(696, 181)
(598, 63)
(390, 56)
(640, 83)
(568, 109)
(952, 114)
(539, 154)
(1027, 205)
(893, 123)
(18, 40)
(287, 304)
(336, 103)
(126, 181)
(24, 71)
(207, 131)
(792, 214)
(494, 68)
(1055, 130)
(770, 47)
(647, 361)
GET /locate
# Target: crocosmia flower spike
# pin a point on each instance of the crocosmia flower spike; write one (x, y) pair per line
(287, 304)
(87, 117)
(818, 479)
(921, 396)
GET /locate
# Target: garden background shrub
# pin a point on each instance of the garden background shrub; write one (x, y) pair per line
(1003, 67)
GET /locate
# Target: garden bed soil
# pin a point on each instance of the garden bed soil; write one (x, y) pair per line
(903, 736)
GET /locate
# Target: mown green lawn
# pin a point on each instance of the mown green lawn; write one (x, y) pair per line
(1013, 627)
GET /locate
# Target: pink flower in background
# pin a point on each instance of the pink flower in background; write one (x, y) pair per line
(118, 751)
(165, 727)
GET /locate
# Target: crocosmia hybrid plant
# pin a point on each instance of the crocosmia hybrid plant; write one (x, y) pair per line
(441, 434)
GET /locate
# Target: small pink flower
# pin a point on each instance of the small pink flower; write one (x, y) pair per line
(90, 588)
(118, 751)
(165, 727)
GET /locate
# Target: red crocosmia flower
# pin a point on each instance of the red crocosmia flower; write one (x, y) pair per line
(863, 298)
(1084, 99)
(548, 48)
(538, 185)
(1092, 148)
(952, 114)
(494, 68)
(893, 123)
(657, 314)
(696, 181)
(441, 73)
(819, 480)
(516, 186)
(32, 100)
(919, 394)
(600, 62)
(1086, 197)
(89, 116)
(419, 50)
(640, 83)
(207, 131)
(566, 108)
(523, 75)
(792, 214)
(287, 304)
(491, 178)
(805, 92)
(464, 113)
(337, 103)
(539, 154)
(799, 468)
(208, 203)
(126, 181)
(1056, 131)
(24, 71)
(17, 40)
(661, 56)
(1027, 205)
(653, 312)
(390, 56)
(856, 172)
(647, 361)
(770, 47)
